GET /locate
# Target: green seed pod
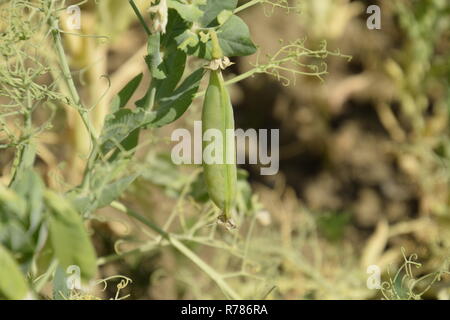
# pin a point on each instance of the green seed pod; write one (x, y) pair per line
(221, 176)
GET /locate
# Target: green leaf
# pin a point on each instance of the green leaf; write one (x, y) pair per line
(176, 25)
(21, 215)
(224, 16)
(154, 58)
(124, 122)
(213, 8)
(13, 221)
(234, 39)
(11, 204)
(15, 237)
(30, 186)
(120, 125)
(114, 190)
(60, 288)
(187, 40)
(189, 12)
(12, 282)
(128, 144)
(173, 107)
(173, 66)
(103, 197)
(68, 236)
(119, 102)
(27, 155)
(121, 99)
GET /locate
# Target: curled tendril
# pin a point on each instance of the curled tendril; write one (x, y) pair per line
(293, 59)
(404, 283)
(86, 295)
(123, 283)
(271, 5)
(117, 246)
(105, 281)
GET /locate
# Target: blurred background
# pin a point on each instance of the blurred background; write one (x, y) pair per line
(364, 157)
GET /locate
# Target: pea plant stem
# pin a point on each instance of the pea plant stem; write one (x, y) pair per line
(25, 151)
(76, 100)
(216, 277)
(247, 5)
(141, 19)
(148, 247)
(234, 80)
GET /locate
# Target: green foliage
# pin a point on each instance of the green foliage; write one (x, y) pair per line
(122, 98)
(21, 214)
(12, 283)
(173, 107)
(406, 285)
(213, 8)
(173, 67)
(188, 11)
(234, 39)
(69, 238)
(154, 58)
(43, 232)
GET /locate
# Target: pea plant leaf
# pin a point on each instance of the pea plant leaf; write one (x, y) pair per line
(188, 40)
(234, 39)
(14, 223)
(173, 107)
(11, 204)
(188, 11)
(104, 194)
(224, 16)
(113, 190)
(21, 228)
(31, 187)
(12, 282)
(27, 158)
(176, 25)
(173, 66)
(60, 289)
(69, 239)
(121, 99)
(119, 125)
(154, 59)
(119, 102)
(213, 8)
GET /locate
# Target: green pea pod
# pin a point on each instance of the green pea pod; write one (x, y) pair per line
(220, 177)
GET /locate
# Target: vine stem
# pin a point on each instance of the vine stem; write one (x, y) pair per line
(216, 277)
(234, 80)
(139, 15)
(247, 5)
(61, 54)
